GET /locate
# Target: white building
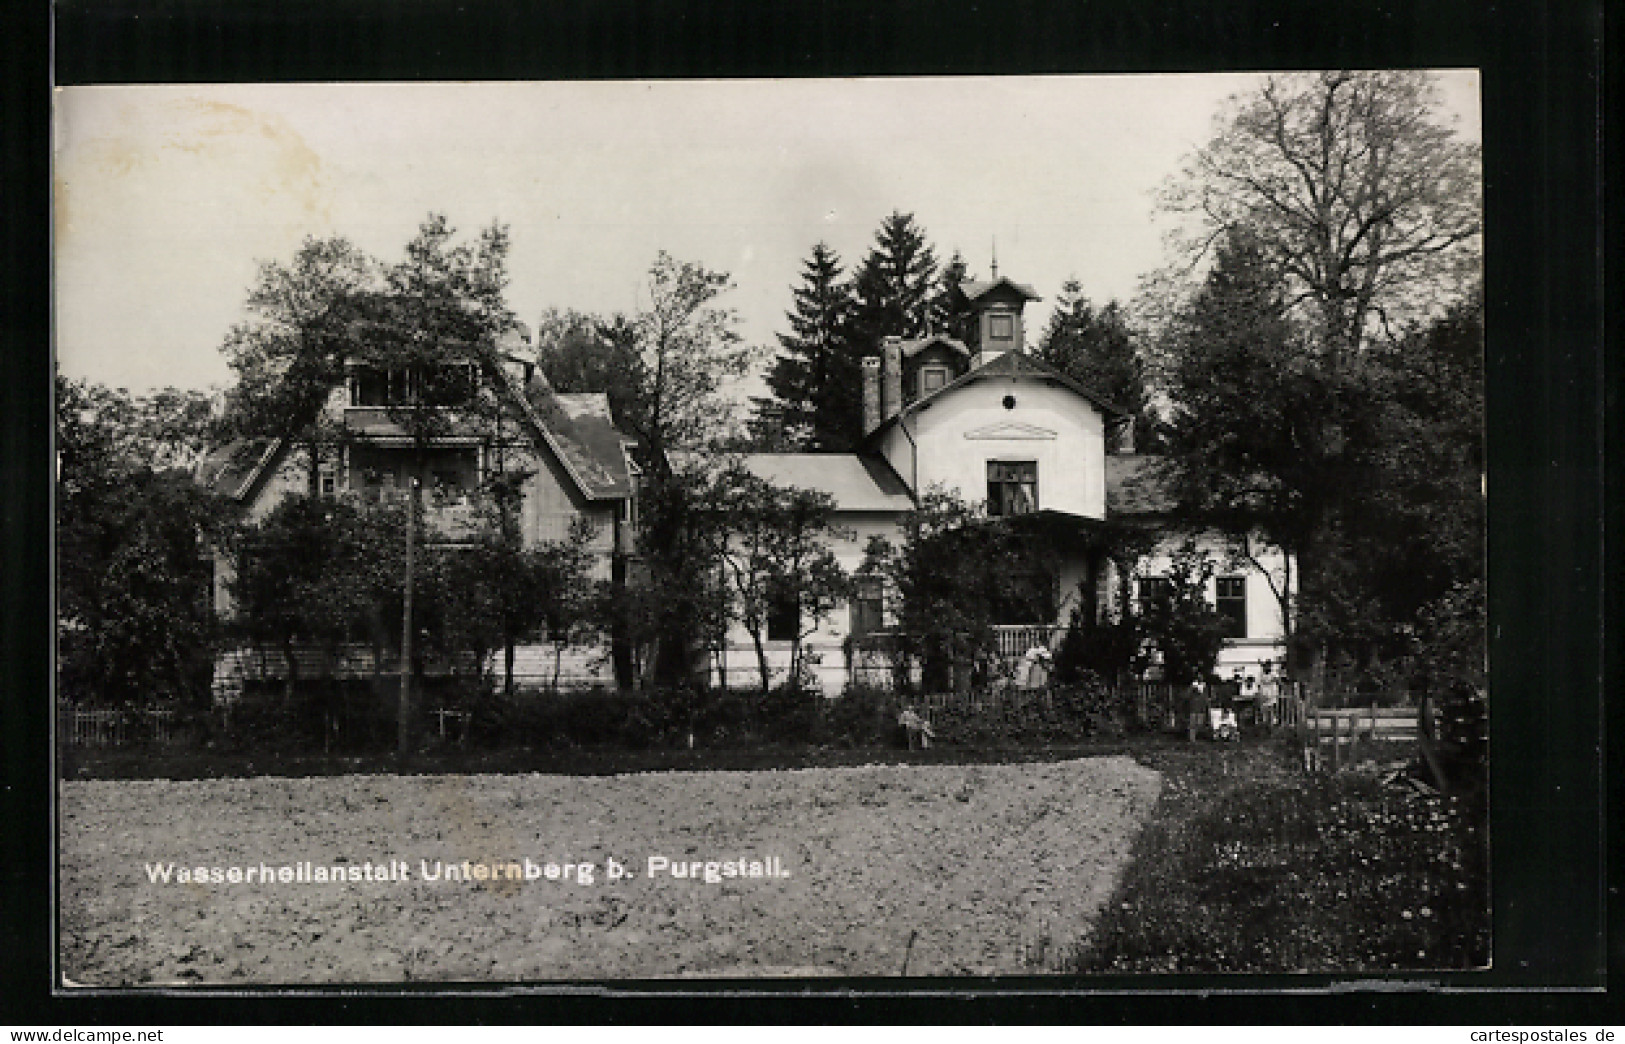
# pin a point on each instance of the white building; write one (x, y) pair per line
(982, 418)
(979, 417)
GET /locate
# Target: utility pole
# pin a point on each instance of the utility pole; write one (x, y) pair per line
(404, 710)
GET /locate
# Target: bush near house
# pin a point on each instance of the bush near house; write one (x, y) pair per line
(685, 718)
(1065, 714)
(456, 718)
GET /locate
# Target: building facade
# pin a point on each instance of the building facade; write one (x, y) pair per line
(985, 420)
(978, 417)
(571, 463)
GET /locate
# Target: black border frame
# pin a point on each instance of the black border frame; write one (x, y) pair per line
(1551, 403)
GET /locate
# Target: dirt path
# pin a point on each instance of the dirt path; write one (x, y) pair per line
(990, 869)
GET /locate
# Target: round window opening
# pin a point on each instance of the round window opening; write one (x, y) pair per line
(1009, 402)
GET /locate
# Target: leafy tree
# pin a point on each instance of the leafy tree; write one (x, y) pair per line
(664, 368)
(481, 596)
(688, 348)
(1108, 643)
(291, 352)
(1264, 443)
(896, 284)
(582, 353)
(957, 573)
(816, 379)
(672, 602)
(1432, 383)
(1352, 189)
(773, 547)
(1181, 623)
(564, 589)
(134, 620)
(1097, 349)
(1412, 541)
(435, 325)
(303, 577)
(1367, 468)
(1108, 648)
(176, 426)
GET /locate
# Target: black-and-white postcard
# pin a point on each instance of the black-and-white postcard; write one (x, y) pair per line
(946, 527)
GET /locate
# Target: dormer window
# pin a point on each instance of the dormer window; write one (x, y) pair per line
(1001, 327)
(933, 378)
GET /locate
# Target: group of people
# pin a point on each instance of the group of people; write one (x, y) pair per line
(1262, 693)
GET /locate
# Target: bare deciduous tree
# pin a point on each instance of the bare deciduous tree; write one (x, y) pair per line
(1352, 187)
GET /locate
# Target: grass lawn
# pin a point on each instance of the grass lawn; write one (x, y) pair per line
(1248, 865)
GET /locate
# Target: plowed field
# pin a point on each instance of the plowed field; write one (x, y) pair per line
(949, 870)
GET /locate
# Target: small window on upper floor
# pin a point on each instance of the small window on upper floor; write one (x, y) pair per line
(933, 378)
(1012, 487)
(1001, 327)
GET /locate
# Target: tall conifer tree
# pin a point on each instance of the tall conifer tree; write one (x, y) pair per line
(948, 312)
(896, 283)
(817, 378)
(1096, 348)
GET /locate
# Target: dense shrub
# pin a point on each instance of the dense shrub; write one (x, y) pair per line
(862, 717)
(1105, 648)
(591, 718)
(357, 717)
(1064, 714)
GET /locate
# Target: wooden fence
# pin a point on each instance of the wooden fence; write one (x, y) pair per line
(118, 728)
(1330, 736)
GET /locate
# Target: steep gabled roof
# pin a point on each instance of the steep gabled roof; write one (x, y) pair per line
(576, 428)
(588, 445)
(976, 289)
(856, 481)
(1015, 365)
(233, 469)
(920, 344)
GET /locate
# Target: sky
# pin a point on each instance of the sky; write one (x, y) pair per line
(168, 198)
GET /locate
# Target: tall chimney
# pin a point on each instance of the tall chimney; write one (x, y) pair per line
(891, 377)
(871, 393)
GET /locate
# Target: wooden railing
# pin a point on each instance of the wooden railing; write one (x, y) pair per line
(1014, 640)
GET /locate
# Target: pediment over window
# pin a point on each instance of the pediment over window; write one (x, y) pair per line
(1010, 430)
